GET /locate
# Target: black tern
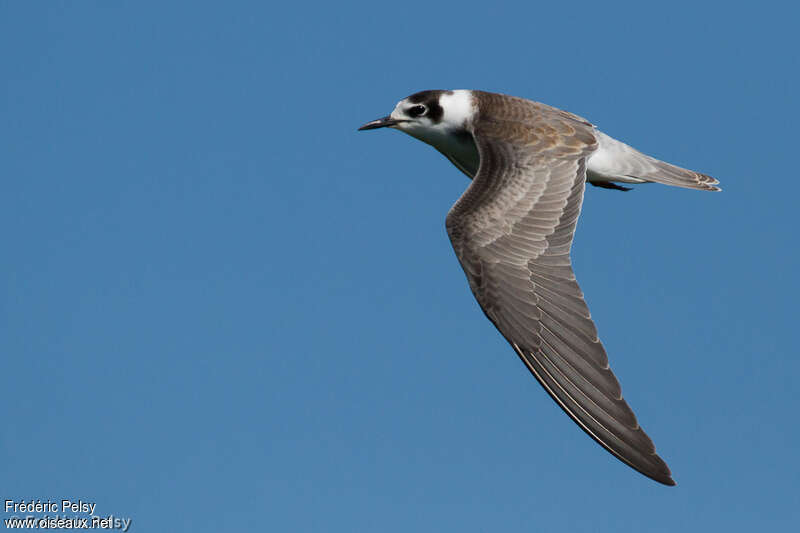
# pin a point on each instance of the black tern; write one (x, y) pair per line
(512, 231)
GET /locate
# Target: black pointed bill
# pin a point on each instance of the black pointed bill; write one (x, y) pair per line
(384, 122)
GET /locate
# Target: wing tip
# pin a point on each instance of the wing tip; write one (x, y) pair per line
(664, 479)
(658, 472)
(652, 467)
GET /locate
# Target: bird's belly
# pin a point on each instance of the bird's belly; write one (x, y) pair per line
(601, 177)
(609, 162)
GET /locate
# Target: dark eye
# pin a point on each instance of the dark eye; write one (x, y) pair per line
(417, 111)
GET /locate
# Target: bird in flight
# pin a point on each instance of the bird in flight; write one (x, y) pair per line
(512, 231)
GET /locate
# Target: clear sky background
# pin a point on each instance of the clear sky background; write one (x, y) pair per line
(223, 309)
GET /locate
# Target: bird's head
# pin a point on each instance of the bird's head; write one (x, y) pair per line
(428, 113)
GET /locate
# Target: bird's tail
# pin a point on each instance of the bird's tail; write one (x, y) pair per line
(616, 161)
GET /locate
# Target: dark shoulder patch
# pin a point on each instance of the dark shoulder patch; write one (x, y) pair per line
(431, 100)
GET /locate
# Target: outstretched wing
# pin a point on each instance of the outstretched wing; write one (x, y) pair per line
(512, 231)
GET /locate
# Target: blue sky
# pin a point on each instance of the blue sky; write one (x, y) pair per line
(223, 309)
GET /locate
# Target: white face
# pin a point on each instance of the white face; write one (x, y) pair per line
(412, 116)
(451, 110)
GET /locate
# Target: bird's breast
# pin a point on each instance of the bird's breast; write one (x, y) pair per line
(458, 146)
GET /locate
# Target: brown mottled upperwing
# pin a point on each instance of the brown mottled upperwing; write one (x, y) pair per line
(512, 231)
